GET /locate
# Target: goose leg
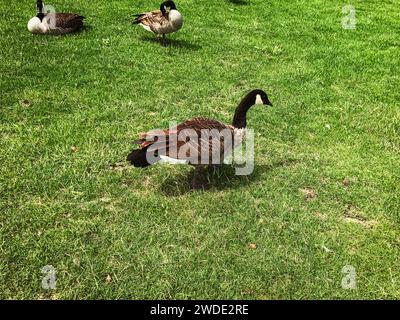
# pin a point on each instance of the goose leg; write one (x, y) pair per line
(159, 36)
(198, 181)
(214, 168)
(163, 43)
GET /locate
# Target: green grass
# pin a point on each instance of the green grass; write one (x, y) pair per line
(335, 116)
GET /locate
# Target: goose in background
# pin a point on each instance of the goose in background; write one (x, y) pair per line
(168, 144)
(161, 22)
(54, 23)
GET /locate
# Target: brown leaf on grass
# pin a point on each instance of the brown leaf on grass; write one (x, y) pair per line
(109, 279)
(364, 223)
(74, 149)
(252, 246)
(319, 215)
(308, 193)
(105, 199)
(25, 103)
(346, 182)
(118, 166)
(352, 215)
(248, 292)
(147, 182)
(48, 296)
(351, 211)
(76, 261)
(326, 249)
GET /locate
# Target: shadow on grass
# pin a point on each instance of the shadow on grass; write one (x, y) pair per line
(86, 28)
(176, 43)
(217, 178)
(239, 2)
(83, 30)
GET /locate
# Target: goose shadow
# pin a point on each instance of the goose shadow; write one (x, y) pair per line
(86, 28)
(239, 2)
(81, 31)
(218, 178)
(176, 43)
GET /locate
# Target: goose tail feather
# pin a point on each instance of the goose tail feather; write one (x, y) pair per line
(138, 158)
(137, 18)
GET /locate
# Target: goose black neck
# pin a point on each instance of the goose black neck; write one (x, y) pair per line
(239, 120)
(40, 9)
(40, 16)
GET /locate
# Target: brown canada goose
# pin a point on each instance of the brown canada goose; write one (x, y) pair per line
(161, 22)
(186, 142)
(54, 23)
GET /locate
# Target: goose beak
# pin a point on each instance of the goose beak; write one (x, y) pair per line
(269, 103)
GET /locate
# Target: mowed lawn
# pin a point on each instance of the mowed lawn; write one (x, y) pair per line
(324, 194)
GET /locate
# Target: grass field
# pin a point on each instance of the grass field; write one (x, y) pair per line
(324, 194)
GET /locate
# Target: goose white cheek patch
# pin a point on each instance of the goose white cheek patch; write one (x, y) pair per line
(259, 100)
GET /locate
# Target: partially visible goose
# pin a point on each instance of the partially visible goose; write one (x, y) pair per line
(173, 143)
(161, 22)
(54, 23)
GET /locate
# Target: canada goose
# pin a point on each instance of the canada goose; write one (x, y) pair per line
(54, 23)
(166, 20)
(174, 143)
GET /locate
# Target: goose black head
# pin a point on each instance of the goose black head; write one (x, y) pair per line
(260, 97)
(40, 9)
(253, 97)
(167, 6)
(40, 6)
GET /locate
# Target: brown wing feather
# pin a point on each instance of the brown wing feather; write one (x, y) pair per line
(69, 21)
(200, 123)
(150, 18)
(189, 134)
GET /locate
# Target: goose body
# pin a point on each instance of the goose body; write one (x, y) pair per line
(198, 141)
(54, 23)
(163, 21)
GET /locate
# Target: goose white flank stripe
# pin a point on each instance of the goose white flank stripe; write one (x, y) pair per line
(165, 159)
